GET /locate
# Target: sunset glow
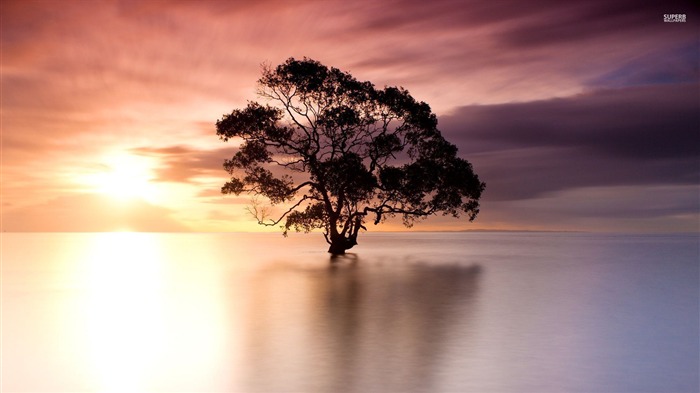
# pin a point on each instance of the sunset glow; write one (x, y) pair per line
(349, 196)
(125, 177)
(115, 102)
(124, 351)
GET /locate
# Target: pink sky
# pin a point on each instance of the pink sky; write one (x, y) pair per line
(560, 106)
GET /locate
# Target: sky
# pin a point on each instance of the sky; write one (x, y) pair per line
(579, 115)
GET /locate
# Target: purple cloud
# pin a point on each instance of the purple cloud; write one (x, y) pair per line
(624, 153)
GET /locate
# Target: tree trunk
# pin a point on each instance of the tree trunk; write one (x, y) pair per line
(337, 248)
(340, 243)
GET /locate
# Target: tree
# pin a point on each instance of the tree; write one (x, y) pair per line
(336, 152)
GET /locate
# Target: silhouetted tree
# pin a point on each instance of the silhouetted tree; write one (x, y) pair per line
(336, 152)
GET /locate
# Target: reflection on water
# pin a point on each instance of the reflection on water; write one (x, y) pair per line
(415, 312)
(351, 327)
(125, 324)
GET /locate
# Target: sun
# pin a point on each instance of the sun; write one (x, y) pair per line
(125, 177)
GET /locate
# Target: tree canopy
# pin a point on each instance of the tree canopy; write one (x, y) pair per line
(335, 153)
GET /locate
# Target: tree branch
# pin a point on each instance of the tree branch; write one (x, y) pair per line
(291, 209)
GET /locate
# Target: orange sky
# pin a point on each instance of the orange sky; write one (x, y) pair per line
(108, 107)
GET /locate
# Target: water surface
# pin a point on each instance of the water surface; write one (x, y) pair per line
(409, 312)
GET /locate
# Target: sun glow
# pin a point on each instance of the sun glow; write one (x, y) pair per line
(150, 309)
(126, 325)
(125, 177)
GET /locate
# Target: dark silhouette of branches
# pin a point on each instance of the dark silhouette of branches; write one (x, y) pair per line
(337, 151)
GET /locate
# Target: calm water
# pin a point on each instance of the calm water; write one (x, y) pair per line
(417, 312)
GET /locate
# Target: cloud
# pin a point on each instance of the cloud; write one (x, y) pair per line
(111, 61)
(640, 122)
(629, 153)
(184, 164)
(663, 208)
(573, 22)
(455, 52)
(90, 213)
(677, 63)
(84, 80)
(640, 135)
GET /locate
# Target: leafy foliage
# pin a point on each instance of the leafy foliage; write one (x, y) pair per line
(338, 151)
